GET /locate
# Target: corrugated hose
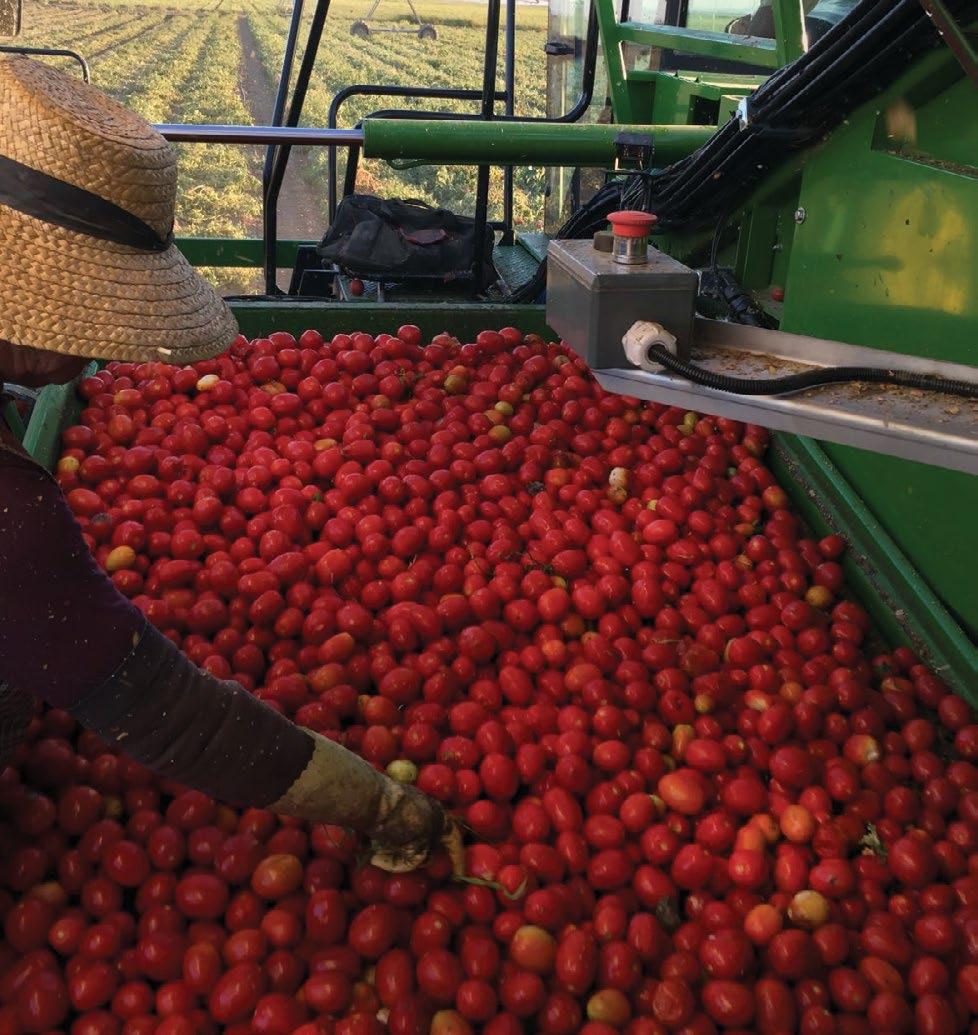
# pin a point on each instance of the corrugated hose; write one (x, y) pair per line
(791, 383)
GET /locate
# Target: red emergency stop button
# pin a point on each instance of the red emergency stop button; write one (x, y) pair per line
(630, 236)
(631, 223)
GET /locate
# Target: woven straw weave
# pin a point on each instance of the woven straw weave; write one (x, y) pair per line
(75, 294)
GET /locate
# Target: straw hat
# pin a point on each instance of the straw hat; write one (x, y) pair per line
(80, 291)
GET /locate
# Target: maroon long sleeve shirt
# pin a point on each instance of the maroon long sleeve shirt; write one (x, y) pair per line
(68, 636)
(64, 628)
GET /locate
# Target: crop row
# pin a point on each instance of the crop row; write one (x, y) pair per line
(92, 32)
(124, 70)
(100, 37)
(222, 193)
(56, 25)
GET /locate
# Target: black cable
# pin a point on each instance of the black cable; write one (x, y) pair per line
(740, 304)
(715, 243)
(791, 383)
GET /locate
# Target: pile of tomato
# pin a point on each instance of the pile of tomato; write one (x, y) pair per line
(697, 799)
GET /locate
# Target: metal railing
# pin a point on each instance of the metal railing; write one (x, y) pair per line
(13, 48)
(274, 136)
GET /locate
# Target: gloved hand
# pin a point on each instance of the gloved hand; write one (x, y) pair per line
(184, 724)
(337, 786)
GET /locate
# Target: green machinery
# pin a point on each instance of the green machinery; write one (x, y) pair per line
(824, 158)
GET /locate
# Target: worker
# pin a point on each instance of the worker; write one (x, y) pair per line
(89, 270)
(820, 16)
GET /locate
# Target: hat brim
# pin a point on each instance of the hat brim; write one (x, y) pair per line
(80, 296)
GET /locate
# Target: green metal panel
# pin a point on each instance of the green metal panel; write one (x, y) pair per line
(680, 96)
(889, 238)
(635, 92)
(904, 605)
(631, 102)
(445, 142)
(57, 406)
(885, 237)
(885, 257)
(243, 253)
(931, 513)
(719, 45)
(11, 416)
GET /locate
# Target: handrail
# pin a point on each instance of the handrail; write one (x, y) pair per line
(180, 133)
(278, 114)
(749, 49)
(280, 159)
(509, 78)
(488, 109)
(472, 142)
(13, 48)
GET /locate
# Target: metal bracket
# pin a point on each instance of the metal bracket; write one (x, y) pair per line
(954, 36)
(27, 395)
(743, 112)
(928, 427)
(187, 133)
(634, 151)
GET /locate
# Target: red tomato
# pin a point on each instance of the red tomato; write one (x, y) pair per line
(202, 896)
(729, 1003)
(201, 967)
(236, 993)
(92, 985)
(592, 627)
(42, 1001)
(326, 917)
(439, 974)
(277, 876)
(576, 962)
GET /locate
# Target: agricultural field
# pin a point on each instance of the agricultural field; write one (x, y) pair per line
(218, 61)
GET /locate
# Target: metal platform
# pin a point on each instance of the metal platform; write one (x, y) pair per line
(925, 426)
(516, 263)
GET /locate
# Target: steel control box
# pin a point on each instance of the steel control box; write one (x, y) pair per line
(593, 300)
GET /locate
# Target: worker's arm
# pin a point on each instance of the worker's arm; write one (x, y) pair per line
(68, 636)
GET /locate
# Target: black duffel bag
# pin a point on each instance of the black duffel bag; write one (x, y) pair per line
(403, 240)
